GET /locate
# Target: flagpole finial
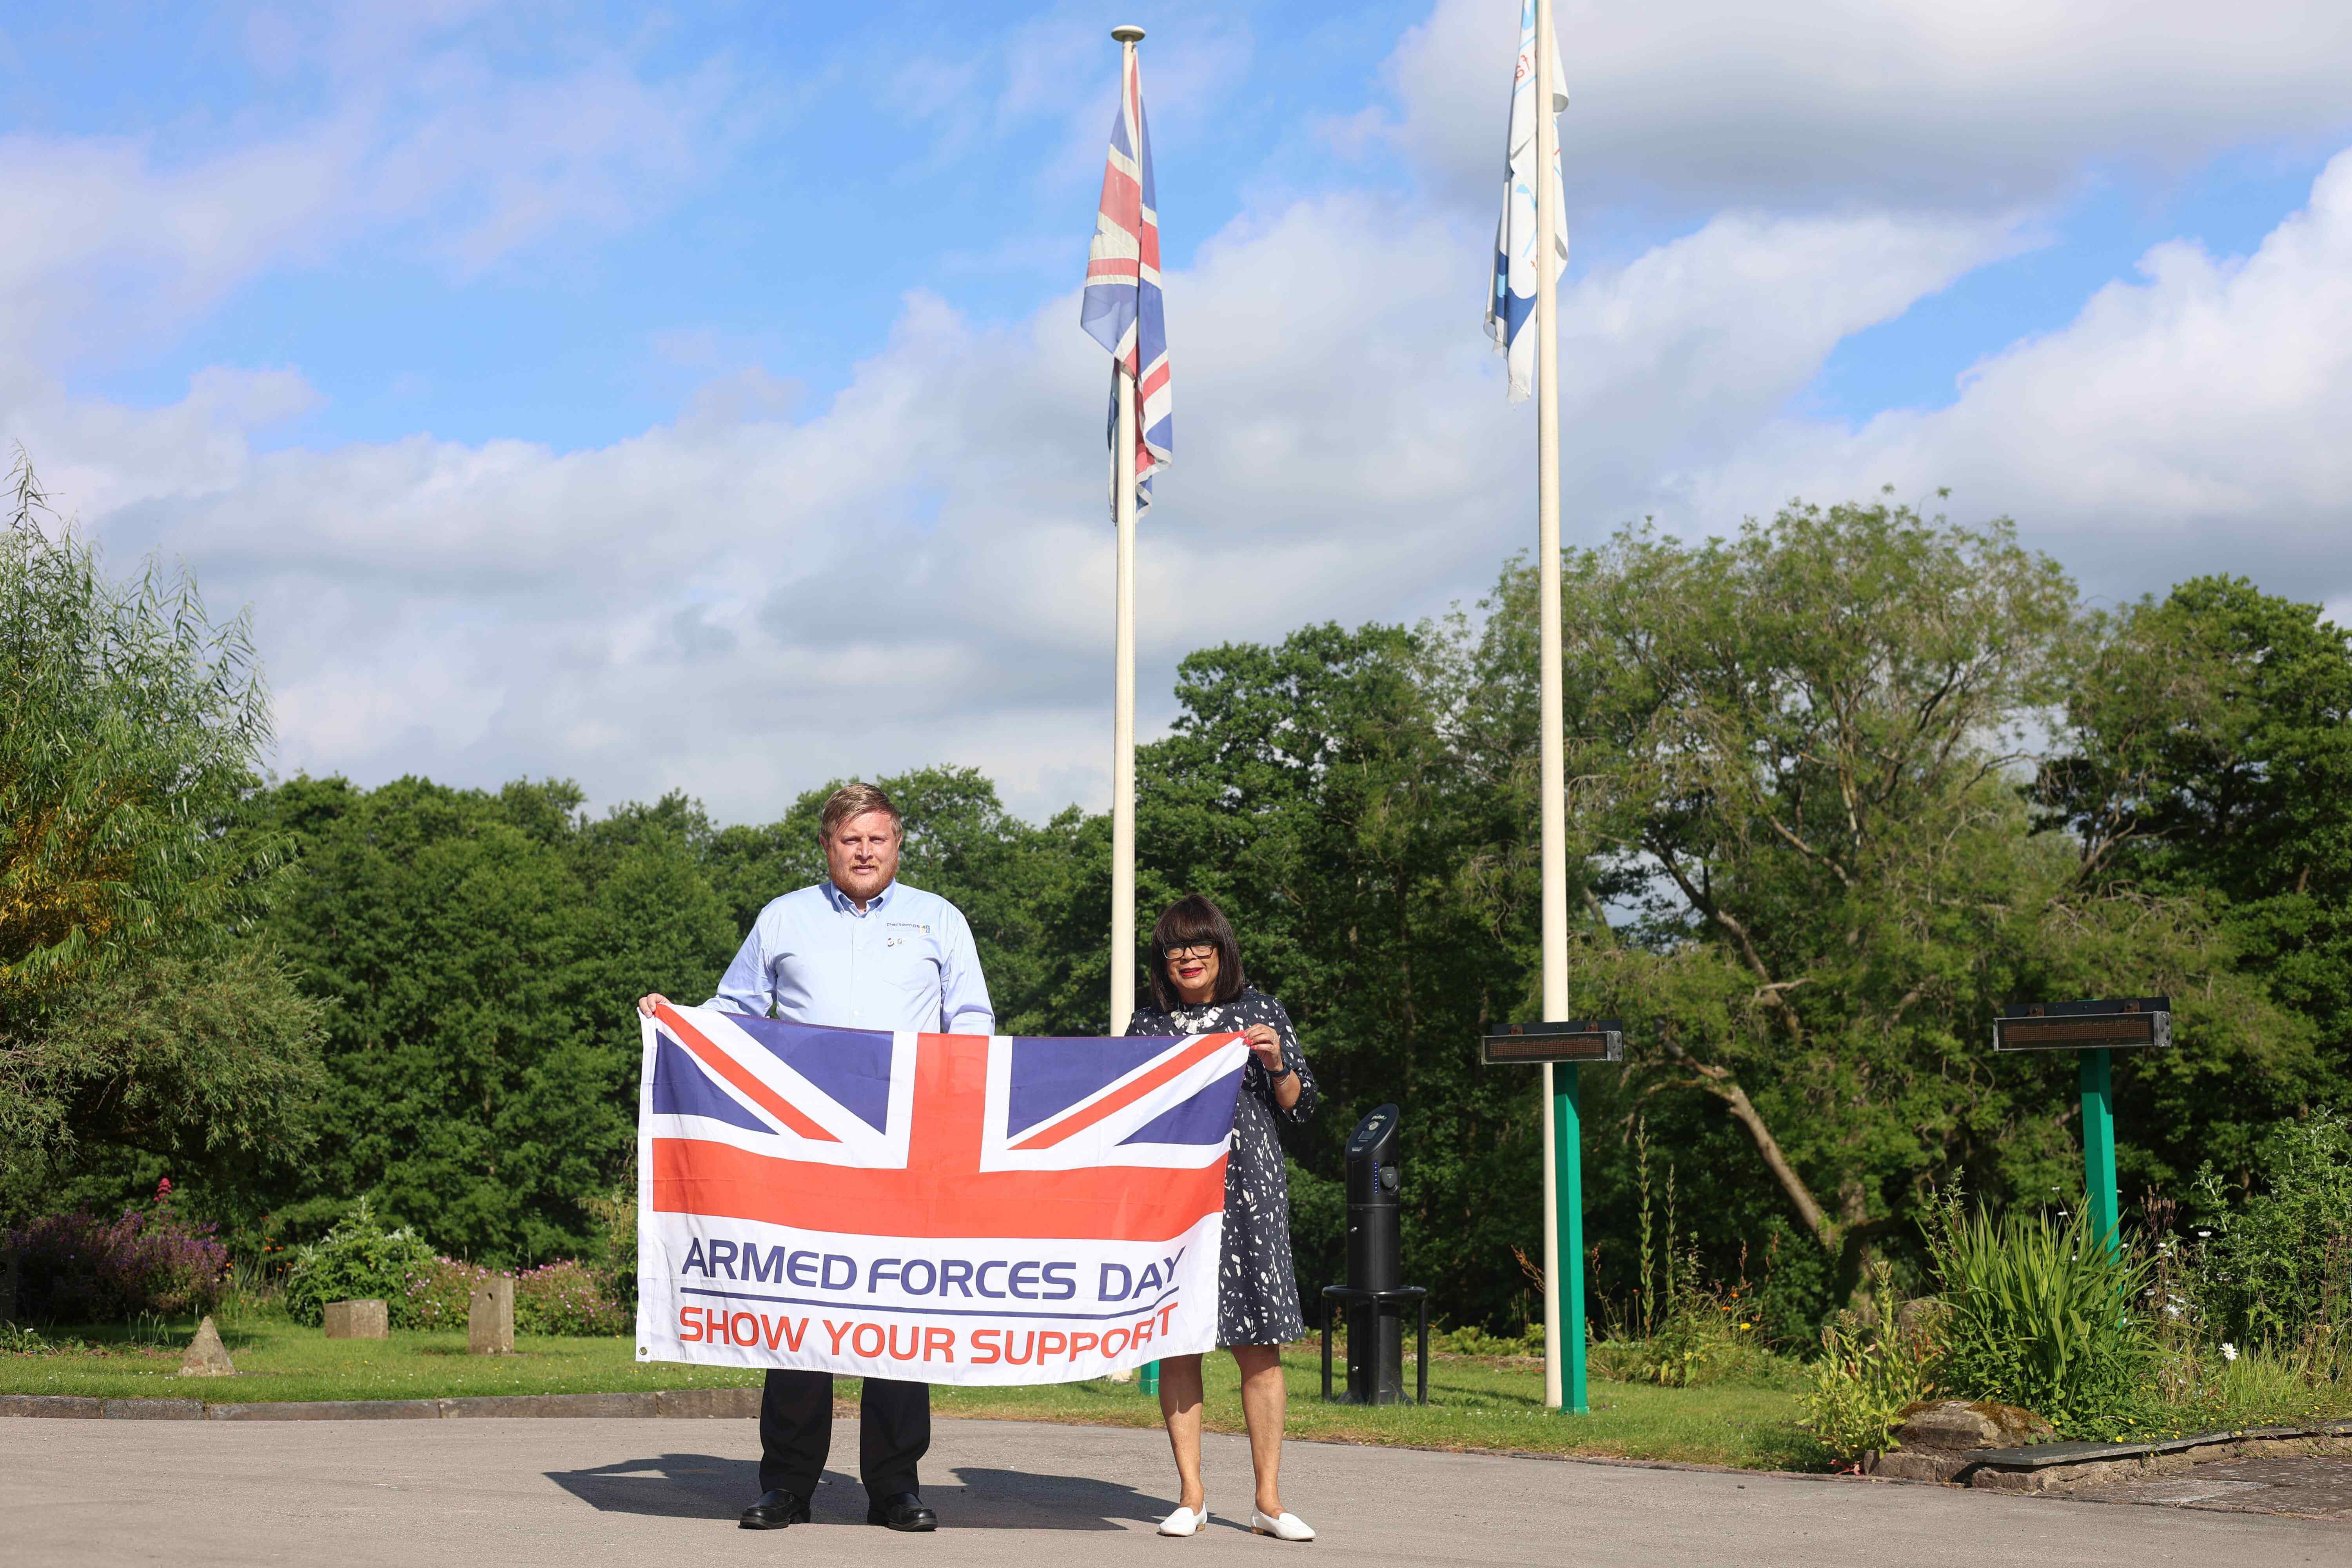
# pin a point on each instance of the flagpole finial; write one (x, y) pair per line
(1128, 33)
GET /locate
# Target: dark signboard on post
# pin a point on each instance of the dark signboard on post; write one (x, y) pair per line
(2125, 1023)
(2094, 1031)
(1572, 1040)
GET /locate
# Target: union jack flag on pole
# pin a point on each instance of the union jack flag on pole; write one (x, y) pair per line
(939, 1208)
(1121, 310)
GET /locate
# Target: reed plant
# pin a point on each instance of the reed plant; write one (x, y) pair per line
(2039, 1313)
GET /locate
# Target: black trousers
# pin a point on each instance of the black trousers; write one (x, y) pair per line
(894, 1432)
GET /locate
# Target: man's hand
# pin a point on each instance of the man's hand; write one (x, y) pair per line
(1262, 1039)
(646, 1004)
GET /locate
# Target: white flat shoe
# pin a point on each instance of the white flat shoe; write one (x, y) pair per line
(1289, 1527)
(1185, 1521)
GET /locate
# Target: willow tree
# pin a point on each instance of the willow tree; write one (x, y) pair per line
(130, 729)
(1799, 756)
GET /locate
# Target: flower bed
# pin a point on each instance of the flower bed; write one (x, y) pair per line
(77, 1268)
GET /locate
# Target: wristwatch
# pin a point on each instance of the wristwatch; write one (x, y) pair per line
(1273, 1077)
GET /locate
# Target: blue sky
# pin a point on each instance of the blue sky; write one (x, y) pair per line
(696, 399)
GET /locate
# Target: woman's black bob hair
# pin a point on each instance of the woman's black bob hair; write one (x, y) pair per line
(1188, 922)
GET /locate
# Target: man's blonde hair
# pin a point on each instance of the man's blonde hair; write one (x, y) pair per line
(855, 798)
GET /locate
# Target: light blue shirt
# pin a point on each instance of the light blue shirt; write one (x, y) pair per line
(905, 961)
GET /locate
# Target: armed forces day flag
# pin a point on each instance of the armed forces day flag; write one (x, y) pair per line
(941, 1208)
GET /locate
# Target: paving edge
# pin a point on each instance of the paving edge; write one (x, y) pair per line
(2061, 1467)
(735, 1403)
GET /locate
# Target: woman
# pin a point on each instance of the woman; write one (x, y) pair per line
(1200, 988)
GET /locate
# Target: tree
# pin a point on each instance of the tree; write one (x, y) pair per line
(2207, 750)
(132, 1011)
(484, 952)
(1316, 790)
(1797, 755)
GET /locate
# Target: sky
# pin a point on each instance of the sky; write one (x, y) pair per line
(695, 399)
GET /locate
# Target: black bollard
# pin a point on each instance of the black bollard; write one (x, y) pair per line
(1375, 1261)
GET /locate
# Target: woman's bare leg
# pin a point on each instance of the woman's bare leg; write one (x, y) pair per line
(1180, 1406)
(1265, 1401)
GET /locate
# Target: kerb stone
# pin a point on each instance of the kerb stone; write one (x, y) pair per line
(155, 1410)
(548, 1405)
(328, 1410)
(726, 1403)
(69, 1406)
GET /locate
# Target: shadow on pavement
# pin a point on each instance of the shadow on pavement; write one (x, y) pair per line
(704, 1485)
(675, 1486)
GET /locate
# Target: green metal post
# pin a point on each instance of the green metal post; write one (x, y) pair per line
(1568, 1163)
(1149, 1382)
(2099, 1144)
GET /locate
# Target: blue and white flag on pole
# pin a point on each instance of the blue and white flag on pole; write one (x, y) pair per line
(1511, 303)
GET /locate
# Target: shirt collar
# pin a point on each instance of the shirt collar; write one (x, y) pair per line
(841, 900)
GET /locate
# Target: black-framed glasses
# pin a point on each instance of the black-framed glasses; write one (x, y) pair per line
(1199, 950)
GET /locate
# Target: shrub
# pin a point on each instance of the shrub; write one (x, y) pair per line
(559, 1297)
(1868, 1371)
(357, 1259)
(440, 1293)
(1473, 1340)
(77, 1268)
(2037, 1314)
(615, 1263)
(1706, 1337)
(562, 1297)
(2274, 1271)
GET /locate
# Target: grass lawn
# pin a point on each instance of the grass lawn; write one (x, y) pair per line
(1474, 1404)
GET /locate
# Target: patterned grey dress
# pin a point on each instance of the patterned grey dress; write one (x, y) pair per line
(1258, 1286)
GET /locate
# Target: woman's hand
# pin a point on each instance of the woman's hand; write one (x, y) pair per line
(646, 1004)
(1266, 1044)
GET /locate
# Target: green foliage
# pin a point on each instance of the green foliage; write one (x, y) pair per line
(1807, 857)
(1382, 887)
(1795, 758)
(439, 1296)
(131, 1014)
(1472, 1339)
(566, 1298)
(612, 1259)
(1869, 1369)
(484, 952)
(2278, 1270)
(212, 1063)
(2037, 1314)
(562, 1297)
(2207, 752)
(359, 1259)
(150, 1260)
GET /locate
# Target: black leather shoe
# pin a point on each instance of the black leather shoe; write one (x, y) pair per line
(902, 1511)
(774, 1510)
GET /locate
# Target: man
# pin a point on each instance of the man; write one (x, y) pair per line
(858, 951)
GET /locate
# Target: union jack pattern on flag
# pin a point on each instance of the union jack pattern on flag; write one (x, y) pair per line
(940, 1208)
(1121, 310)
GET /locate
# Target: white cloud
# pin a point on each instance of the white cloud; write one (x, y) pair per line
(1984, 105)
(755, 596)
(2192, 420)
(742, 606)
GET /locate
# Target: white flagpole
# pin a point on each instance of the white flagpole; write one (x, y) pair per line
(1554, 778)
(1122, 723)
(1122, 710)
